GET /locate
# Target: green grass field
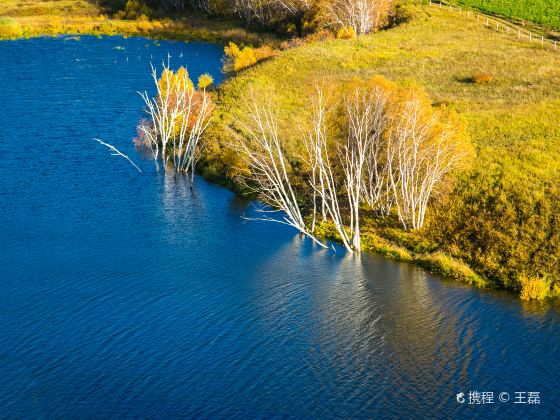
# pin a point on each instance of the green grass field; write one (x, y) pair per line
(503, 216)
(542, 12)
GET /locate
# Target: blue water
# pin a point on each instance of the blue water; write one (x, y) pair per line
(126, 295)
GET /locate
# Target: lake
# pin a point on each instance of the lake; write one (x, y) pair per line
(127, 295)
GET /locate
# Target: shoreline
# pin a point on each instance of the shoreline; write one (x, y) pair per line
(436, 262)
(195, 28)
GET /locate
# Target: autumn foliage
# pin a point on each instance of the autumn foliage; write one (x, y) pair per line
(242, 58)
(179, 116)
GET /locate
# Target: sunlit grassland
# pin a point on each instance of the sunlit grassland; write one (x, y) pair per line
(55, 17)
(30, 8)
(503, 216)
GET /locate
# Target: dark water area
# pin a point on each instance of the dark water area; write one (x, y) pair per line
(126, 295)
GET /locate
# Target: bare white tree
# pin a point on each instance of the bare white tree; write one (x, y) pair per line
(163, 113)
(204, 5)
(268, 168)
(182, 4)
(193, 119)
(179, 116)
(361, 15)
(359, 156)
(366, 115)
(294, 6)
(376, 191)
(316, 141)
(394, 154)
(265, 11)
(324, 182)
(420, 153)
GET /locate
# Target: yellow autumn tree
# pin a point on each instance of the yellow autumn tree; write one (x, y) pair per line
(179, 115)
(424, 147)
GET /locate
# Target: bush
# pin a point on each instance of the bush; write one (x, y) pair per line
(10, 28)
(134, 9)
(205, 81)
(246, 58)
(533, 288)
(481, 78)
(239, 59)
(346, 33)
(144, 25)
(264, 53)
(556, 290)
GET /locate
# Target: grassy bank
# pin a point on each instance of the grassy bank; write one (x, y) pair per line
(503, 216)
(30, 18)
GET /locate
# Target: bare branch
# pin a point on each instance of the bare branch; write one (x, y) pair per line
(118, 153)
(269, 176)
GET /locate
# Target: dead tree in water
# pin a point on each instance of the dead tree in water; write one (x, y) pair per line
(267, 165)
(116, 152)
(178, 117)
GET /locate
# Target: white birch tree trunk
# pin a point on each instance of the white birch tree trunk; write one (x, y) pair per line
(269, 176)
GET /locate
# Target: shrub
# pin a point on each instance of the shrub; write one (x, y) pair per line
(533, 288)
(556, 290)
(232, 50)
(205, 81)
(239, 59)
(134, 9)
(264, 53)
(481, 78)
(346, 33)
(246, 58)
(144, 25)
(319, 36)
(10, 28)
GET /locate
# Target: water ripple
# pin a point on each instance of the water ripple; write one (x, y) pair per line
(132, 296)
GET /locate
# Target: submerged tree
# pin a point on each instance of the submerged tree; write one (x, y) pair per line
(268, 175)
(179, 115)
